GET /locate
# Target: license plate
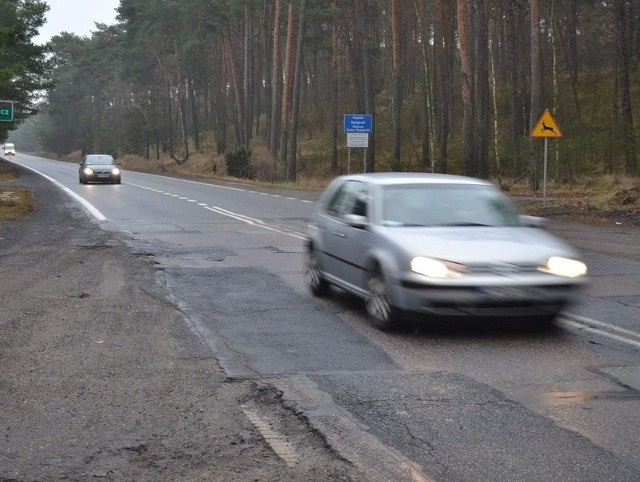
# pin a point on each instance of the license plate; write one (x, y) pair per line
(103, 175)
(511, 293)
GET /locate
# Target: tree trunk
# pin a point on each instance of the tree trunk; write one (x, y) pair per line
(572, 53)
(246, 83)
(195, 122)
(427, 135)
(263, 69)
(286, 90)
(512, 59)
(241, 138)
(369, 94)
(494, 106)
(333, 89)
(276, 80)
(536, 109)
(444, 41)
(482, 127)
(396, 100)
(297, 81)
(623, 38)
(466, 77)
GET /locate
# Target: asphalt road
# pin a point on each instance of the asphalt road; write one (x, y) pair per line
(462, 402)
(103, 377)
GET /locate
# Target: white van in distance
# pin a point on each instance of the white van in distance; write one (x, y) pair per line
(9, 148)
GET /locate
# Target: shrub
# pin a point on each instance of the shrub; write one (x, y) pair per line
(239, 162)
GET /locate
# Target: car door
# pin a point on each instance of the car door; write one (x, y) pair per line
(344, 243)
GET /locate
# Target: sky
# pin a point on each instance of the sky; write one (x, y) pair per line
(76, 16)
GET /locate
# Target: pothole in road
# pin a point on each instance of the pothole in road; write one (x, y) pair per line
(289, 435)
(276, 441)
(285, 249)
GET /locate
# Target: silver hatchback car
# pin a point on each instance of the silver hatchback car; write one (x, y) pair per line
(437, 245)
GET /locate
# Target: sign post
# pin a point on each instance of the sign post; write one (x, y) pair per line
(358, 127)
(6, 111)
(546, 128)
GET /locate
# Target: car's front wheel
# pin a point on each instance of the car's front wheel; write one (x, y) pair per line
(382, 314)
(313, 274)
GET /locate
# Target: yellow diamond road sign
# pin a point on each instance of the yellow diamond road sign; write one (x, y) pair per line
(546, 127)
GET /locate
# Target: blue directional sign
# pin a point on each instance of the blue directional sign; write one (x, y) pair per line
(362, 123)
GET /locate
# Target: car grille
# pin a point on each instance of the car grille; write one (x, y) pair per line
(502, 269)
(522, 309)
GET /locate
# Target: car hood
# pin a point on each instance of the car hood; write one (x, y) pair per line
(479, 244)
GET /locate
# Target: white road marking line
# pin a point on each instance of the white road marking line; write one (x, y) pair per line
(600, 328)
(237, 216)
(255, 222)
(86, 204)
(602, 324)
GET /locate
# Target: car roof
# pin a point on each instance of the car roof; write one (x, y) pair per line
(394, 178)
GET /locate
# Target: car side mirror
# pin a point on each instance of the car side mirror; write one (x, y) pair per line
(356, 221)
(532, 221)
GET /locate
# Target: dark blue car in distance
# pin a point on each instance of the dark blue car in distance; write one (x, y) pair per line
(99, 168)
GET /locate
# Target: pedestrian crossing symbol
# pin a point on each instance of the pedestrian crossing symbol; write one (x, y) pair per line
(546, 127)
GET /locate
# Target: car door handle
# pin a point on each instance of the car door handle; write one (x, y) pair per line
(338, 234)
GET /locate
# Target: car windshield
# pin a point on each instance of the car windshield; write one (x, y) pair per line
(446, 205)
(99, 160)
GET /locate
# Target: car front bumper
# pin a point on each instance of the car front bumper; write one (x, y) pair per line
(515, 300)
(110, 178)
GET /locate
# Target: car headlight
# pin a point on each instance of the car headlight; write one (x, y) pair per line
(436, 268)
(116, 171)
(566, 267)
(87, 171)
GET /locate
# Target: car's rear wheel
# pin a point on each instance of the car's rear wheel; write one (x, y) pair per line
(382, 314)
(313, 274)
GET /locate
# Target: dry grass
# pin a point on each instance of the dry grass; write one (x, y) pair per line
(598, 192)
(605, 192)
(599, 199)
(203, 164)
(7, 171)
(15, 203)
